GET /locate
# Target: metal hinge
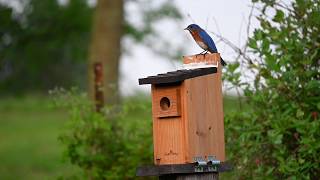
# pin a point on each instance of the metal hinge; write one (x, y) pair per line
(209, 165)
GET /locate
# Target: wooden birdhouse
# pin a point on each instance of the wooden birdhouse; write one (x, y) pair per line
(187, 111)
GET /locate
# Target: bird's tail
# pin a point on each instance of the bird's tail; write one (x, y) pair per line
(222, 62)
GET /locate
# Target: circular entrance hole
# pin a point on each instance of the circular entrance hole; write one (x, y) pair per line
(165, 103)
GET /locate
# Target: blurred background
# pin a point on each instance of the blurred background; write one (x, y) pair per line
(60, 31)
(46, 44)
(53, 44)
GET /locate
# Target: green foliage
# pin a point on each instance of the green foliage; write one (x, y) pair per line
(29, 148)
(151, 15)
(277, 137)
(104, 148)
(43, 44)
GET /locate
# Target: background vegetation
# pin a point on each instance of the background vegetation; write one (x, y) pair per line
(31, 126)
(53, 42)
(277, 136)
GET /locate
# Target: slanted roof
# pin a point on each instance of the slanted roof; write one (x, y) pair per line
(177, 76)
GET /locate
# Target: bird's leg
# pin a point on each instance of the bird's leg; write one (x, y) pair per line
(205, 52)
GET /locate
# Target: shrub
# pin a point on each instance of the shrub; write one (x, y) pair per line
(277, 135)
(104, 147)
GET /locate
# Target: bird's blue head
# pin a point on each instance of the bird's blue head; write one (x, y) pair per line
(193, 27)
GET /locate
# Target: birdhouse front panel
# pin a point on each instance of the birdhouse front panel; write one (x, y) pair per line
(168, 130)
(166, 101)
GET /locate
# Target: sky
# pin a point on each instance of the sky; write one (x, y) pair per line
(227, 18)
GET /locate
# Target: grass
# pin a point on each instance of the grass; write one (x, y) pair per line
(29, 146)
(28, 139)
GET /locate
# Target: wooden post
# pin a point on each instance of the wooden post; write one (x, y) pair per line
(207, 176)
(98, 86)
(204, 176)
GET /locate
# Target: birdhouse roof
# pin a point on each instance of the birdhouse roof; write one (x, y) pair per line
(177, 76)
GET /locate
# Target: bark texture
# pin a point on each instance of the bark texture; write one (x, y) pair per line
(105, 47)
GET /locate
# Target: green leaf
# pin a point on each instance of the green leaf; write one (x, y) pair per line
(279, 16)
(313, 84)
(258, 34)
(278, 139)
(265, 45)
(275, 137)
(252, 43)
(318, 105)
(232, 67)
(299, 113)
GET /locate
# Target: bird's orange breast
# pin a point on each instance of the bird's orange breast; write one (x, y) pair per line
(196, 36)
(199, 41)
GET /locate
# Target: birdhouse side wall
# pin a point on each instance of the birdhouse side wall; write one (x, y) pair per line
(203, 116)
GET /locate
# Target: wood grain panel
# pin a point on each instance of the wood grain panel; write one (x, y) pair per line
(173, 95)
(210, 58)
(168, 141)
(204, 116)
(168, 136)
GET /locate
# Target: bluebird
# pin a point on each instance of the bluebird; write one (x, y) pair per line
(203, 39)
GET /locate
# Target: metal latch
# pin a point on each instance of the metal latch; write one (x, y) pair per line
(211, 165)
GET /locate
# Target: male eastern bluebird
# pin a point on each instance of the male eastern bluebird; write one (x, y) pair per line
(203, 39)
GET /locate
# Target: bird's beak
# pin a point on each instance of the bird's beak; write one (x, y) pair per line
(186, 29)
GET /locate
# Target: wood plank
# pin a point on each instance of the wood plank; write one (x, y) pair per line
(206, 176)
(168, 141)
(177, 76)
(218, 99)
(166, 101)
(203, 105)
(210, 58)
(158, 170)
(167, 130)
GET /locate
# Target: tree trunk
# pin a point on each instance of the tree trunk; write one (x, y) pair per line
(105, 48)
